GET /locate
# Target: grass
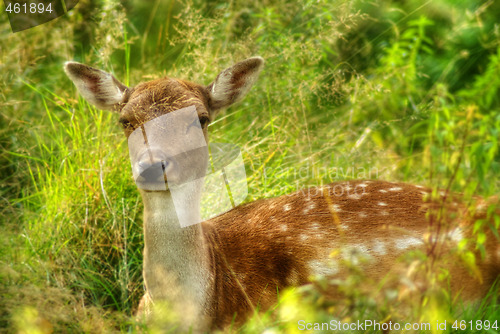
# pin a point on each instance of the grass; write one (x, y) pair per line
(350, 90)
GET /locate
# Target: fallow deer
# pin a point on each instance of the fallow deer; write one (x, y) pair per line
(227, 266)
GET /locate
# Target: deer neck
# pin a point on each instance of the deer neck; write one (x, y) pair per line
(176, 261)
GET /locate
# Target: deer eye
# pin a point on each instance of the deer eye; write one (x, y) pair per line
(124, 122)
(204, 120)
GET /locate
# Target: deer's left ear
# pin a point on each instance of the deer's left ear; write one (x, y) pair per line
(97, 87)
(232, 84)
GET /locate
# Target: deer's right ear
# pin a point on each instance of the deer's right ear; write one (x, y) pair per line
(97, 87)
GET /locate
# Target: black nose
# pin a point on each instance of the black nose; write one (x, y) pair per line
(152, 172)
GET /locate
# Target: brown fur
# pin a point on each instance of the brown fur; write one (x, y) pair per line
(253, 256)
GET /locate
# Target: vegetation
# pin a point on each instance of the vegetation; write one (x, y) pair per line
(394, 90)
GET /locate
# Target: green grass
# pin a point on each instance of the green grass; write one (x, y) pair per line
(406, 92)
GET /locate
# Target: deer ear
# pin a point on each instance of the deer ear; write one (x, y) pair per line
(232, 84)
(97, 87)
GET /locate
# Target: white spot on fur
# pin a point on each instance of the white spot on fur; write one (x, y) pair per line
(304, 237)
(408, 242)
(309, 207)
(323, 268)
(284, 227)
(355, 253)
(363, 185)
(361, 248)
(384, 213)
(287, 207)
(336, 208)
(362, 214)
(382, 190)
(379, 247)
(481, 207)
(354, 196)
(419, 187)
(395, 189)
(382, 204)
(315, 226)
(456, 235)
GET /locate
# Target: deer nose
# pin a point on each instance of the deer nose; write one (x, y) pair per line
(153, 165)
(152, 171)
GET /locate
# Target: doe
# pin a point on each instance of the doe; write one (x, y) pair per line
(222, 269)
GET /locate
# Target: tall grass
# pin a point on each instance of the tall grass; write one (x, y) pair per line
(350, 90)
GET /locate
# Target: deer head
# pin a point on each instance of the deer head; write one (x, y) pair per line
(166, 157)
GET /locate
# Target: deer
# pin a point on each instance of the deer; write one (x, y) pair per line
(221, 270)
